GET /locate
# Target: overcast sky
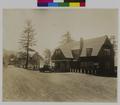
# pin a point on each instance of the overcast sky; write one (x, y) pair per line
(50, 25)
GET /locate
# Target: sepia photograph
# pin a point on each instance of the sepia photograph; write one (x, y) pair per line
(60, 55)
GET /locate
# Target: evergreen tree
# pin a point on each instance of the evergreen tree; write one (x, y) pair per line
(27, 40)
(66, 38)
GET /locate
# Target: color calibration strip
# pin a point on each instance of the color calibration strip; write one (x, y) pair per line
(61, 3)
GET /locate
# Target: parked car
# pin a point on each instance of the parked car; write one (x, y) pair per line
(46, 68)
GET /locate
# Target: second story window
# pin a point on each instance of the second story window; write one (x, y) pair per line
(89, 51)
(58, 51)
(106, 52)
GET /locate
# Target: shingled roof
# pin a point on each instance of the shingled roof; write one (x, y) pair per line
(67, 48)
(94, 43)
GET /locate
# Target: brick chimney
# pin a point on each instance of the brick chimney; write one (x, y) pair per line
(81, 45)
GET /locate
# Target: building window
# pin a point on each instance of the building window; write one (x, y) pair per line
(106, 52)
(89, 51)
(58, 51)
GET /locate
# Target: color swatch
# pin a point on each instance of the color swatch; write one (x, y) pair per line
(61, 3)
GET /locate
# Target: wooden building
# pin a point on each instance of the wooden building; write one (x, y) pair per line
(93, 56)
(34, 60)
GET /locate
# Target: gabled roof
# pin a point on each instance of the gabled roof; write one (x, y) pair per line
(94, 43)
(36, 55)
(67, 48)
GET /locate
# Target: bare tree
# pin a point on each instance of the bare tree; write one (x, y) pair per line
(47, 56)
(66, 38)
(27, 40)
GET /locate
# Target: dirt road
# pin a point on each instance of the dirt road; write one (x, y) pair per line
(25, 85)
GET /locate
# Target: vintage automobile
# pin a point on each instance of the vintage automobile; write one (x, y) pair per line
(46, 68)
